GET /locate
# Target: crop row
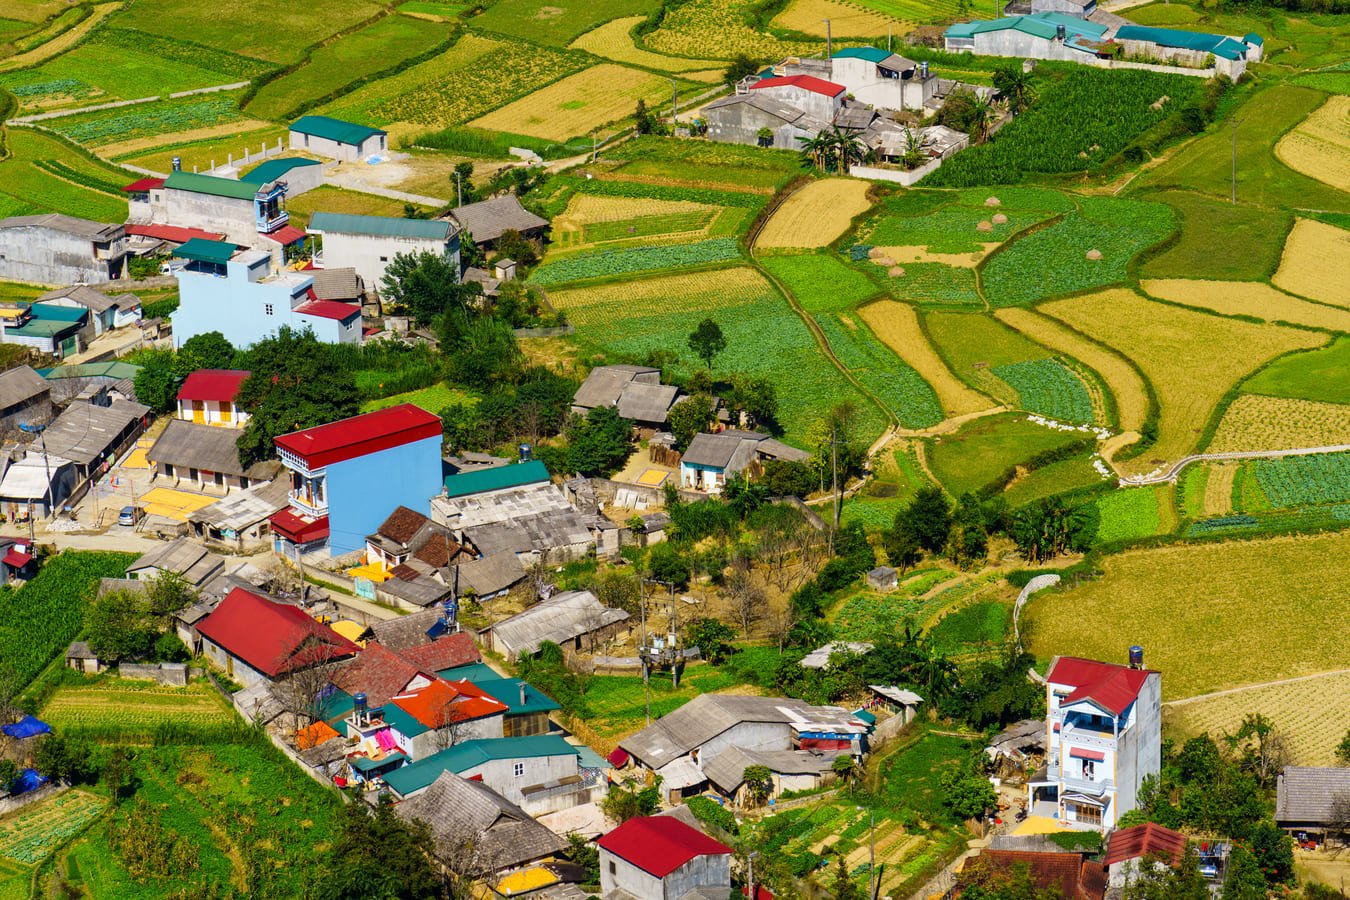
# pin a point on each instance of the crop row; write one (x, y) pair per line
(637, 259)
(1128, 514)
(931, 284)
(148, 119)
(705, 28)
(32, 837)
(639, 189)
(821, 282)
(55, 87)
(901, 389)
(1047, 387)
(1302, 480)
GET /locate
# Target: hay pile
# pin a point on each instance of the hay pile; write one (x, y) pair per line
(985, 226)
(895, 272)
(993, 201)
(1000, 219)
(1094, 253)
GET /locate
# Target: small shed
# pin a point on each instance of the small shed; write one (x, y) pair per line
(1311, 801)
(903, 703)
(335, 138)
(80, 658)
(883, 578)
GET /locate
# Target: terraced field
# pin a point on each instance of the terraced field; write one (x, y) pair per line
(134, 706)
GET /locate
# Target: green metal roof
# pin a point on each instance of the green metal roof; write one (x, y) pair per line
(53, 313)
(274, 169)
(366, 764)
(117, 370)
(1252, 37)
(1199, 41)
(210, 184)
(334, 129)
(504, 689)
(406, 725)
(495, 479)
(1041, 25)
(871, 54)
(474, 672)
(462, 757)
(202, 250)
(866, 716)
(380, 226)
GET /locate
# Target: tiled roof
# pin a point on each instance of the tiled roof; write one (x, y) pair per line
(402, 525)
(1305, 794)
(1144, 840)
(271, 637)
(1110, 686)
(659, 844)
(488, 220)
(1069, 874)
(444, 653)
(213, 384)
(360, 435)
(378, 672)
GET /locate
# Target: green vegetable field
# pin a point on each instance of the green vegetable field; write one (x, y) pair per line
(1046, 387)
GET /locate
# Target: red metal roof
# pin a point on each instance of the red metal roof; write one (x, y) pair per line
(328, 309)
(361, 435)
(659, 844)
(143, 185)
(1081, 753)
(174, 234)
(444, 653)
(299, 529)
(441, 703)
(16, 559)
(221, 385)
(271, 637)
(1111, 687)
(1144, 840)
(619, 758)
(286, 235)
(805, 82)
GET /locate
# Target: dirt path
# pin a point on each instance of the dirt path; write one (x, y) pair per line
(1253, 687)
(60, 43)
(949, 426)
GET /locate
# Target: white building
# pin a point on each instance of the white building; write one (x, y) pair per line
(370, 243)
(814, 96)
(1103, 737)
(662, 858)
(882, 78)
(57, 249)
(335, 138)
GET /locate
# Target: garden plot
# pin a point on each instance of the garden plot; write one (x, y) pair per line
(592, 219)
(1257, 422)
(557, 22)
(1129, 514)
(1249, 298)
(30, 835)
(974, 344)
(1250, 250)
(764, 337)
(718, 28)
(897, 325)
(1126, 387)
(846, 20)
(614, 41)
(629, 260)
(932, 226)
(578, 104)
(704, 166)
(148, 120)
(897, 386)
(921, 11)
(821, 282)
(1191, 358)
(1195, 609)
(1320, 146)
(1046, 387)
(1290, 481)
(1315, 262)
(43, 174)
(816, 215)
(984, 450)
(1317, 375)
(1310, 715)
(135, 706)
(929, 283)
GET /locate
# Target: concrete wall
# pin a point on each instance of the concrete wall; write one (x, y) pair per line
(212, 412)
(1067, 7)
(864, 82)
(740, 124)
(198, 479)
(429, 743)
(818, 105)
(370, 255)
(245, 311)
(171, 674)
(233, 218)
(1140, 752)
(47, 256)
(331, 331)
(235, 668)
(346, 152)
(499, 774)
(1011, 42)
(749, 736)
(363, 491)
(617, 874)
(899, 176)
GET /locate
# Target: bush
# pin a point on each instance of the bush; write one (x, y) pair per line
(713, 814)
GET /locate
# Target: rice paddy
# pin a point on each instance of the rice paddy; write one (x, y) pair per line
(592, 219)
(1257, 422)
(846, 19)
(1249, 298)
(816, 215)
(578, 104)
(614, 41)
(692, 29)
(1320, 146)
(897, 325)
(1315, 262)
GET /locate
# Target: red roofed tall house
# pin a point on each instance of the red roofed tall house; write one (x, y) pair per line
(348, 475)
(207, 398)
(661, 858)
(1104, 735)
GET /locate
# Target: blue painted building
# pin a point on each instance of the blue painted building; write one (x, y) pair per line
(347, 476)
(235, 291)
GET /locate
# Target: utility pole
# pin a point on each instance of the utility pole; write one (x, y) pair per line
(459, 190)
(888, 38)
(872, 857)
(642, 651)
(1233, 194)
(593, 147)
(750, 862)
(829, 42)
(674, 103)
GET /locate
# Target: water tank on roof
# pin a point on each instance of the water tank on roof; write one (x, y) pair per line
(923, 69)
(359, 706)
(526, 452)
(178, 163)
(1136, 657)
(1059, 33)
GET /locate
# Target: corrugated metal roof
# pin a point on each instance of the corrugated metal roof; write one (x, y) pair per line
(210, 184)
(495, 479)
(871, 54)
(1199, 41)
(379, 226)
(468, 754)
(202, 250)
(273, 169)
(334, 129)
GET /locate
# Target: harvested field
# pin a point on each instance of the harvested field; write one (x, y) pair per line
(1248, 298)
(592, 218)
(1191, 358)
(1320, 146)
(614, 40)
(1257, 422)
(846, 20)
(1310, 714)
(897, 326)
(589, 209)
(1218, 498)
(691, 29)
(62, 42)
(815, 215)
(577, 104)
(1203, 612)
(912, 254)
(1316, 258)
(1125, 384)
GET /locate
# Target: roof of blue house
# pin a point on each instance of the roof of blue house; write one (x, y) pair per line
(1252, 37)
(202, 250)
(465, 756)
(1200, 41)
(495, 479)
(334, 129)
(276, 168)
(871, 54)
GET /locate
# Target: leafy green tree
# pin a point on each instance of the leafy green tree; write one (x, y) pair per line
(741, 66)
(643, 120)
(1157, 879)
(1046, 528)
(167, 593)
(117, 775)
(743, 496)
(844, 888)
(758, 783)
(1244, 880)
(9, 771)
(666, 563)
(158, 380)
(845, 769)
(968, 539)
(623, 803)
(757, 398)
(64, 759)
(209, 350)
(712, 638)
(380, 855)
(1014, 84)
(1343, 749)
(584, 853)
(1274, 852)
(515, 246)
(788, 478)
(929, 516)
(967, 791)
(690, 416)
(120, 626)
(297, 383)
(598, 444)
(426, 286)
(707, 341)
(1260, 748)
(486, 354)
(901, 543)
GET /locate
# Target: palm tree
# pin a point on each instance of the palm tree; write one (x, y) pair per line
(817, 149)
(1014, 85)
(848, 149)
(981, 116)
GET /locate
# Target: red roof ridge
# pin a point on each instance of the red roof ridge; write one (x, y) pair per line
(328, 309)
(1109, 685)
(270, 636)
(1142, 840)
(213, 384)
(659, 844)
(805, 82)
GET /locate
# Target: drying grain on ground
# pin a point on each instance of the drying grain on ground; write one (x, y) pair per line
(897, 325)
(815, 215)
(1319, 146)
(1315, 262)
(917, 253)
(1248, 298)
(1257, 422)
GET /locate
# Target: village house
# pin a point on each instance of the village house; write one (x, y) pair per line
(407, 560)
(510, 766)
(487, 220)
(1129, 849)
(789, 770)
(194, 564)
(713, 458)
(205, 458)
(883, 79)
(1313, 801)
(207, 397)
(758, 120)
(35, 484)
(528, 708)
(815, 96)
(370, 243)
(299, 174)
(574, 620)
(341, 284)
(478, 832)
(635, 392)
(25, 399)
(345, 475)
(57, 249)
(247, 214)
(236, 292)
(662, 858)
(1103, 737)
(1069, 875)
(88, 434)
(334, 138)
(254, 639)
(49, 328)
(489, 577)
(105, 313)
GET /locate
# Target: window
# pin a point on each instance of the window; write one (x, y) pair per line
(519, 769)
(384, 259)
(612, 868)
(268, 309)
(1089, 769)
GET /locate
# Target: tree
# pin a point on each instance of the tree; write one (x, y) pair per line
(968, 792)
(746, 599)
(584, 853)
(817, 150)
(297, 383)
(462, 180)
(486, 354)
(1244, 880)
(380, 855)
(1343, 749)
(426, 286)
(764, 137)
(787, 478)
(957, 110)
(666, 563)
(1046, 528)
(64, 759)
(1261, 748)
(9, 771)
(968, 540)
(929, 516)
(981, 118)
(209, 350)
(758, 783)
(300, 691)
(167, 593)
(643, 121)
(1014, 85)
(742, 66)
(707, 341)
(845, 769)
(690, 416)
(515, 246)
(117, 773)
(1155, 878)
(849, 149)
(623, 803)
(754, 398)
(120, 626)
(712, 638)
(598, 444)
(158, 380)
(1273, 850)
(844, 888)
(901, 543)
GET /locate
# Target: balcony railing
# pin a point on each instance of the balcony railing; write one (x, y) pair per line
(307, 504)
(1091, 787)
(269, 224)
(1087, 737)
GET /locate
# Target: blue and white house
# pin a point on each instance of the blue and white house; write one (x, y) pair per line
(713, 458)
(236, 292)
(347, 476)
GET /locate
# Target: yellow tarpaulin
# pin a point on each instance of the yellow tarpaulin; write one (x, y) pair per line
(374, 571)
(526, 880)
(172, 504)
(136, 460)
(352, 631)
(1039, 825)
(653, 477)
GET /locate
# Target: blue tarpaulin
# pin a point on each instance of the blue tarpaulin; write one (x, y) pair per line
(28, 780)
(26, 727)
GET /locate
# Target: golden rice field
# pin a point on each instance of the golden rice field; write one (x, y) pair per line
(725, 287)
(1125, 384)
(614, 40)
(896, 324)
(691, 28)
(578, 104)
(1319, 146)
(1310, 714)
(1257, 422)
(1218, 498)
(1205, 613)
(846, 20)
(1248, 298)
(1190, 358)
(815, 215)
(591, 209)
(1315, 262)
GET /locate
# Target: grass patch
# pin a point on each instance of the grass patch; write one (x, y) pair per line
(1057, 478)
(557, 22)
(984, 449)
(974, 345)
(433, 399)
(980, 626)
(1314, 375)
(1250, 250)
(1128, 514)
